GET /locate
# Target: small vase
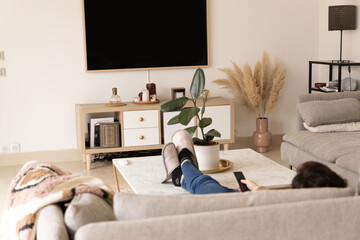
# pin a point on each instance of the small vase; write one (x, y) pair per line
(115, 99)
(262, 136)
(207, 156)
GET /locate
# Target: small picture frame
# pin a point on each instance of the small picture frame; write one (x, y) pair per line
(177, 93)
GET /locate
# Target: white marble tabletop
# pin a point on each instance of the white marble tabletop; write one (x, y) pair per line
(145, 174)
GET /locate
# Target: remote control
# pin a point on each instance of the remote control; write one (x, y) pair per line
(239, 176)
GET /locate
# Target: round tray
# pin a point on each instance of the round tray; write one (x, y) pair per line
(114, 105)
(157, 101)
(223, 166)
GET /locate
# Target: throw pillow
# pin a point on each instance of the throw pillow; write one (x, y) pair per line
(86, 208)
(316, 113)
(338, 127)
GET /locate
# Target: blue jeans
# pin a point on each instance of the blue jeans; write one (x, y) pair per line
(197, 183)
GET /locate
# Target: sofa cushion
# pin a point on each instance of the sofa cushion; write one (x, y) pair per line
(336, 127)
(50, 224)
(131, 206)
(350, 162)
(86, 208)
(326, 146)
(316, 113)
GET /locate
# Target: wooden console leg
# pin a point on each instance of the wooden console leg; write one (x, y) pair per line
(226, 146)
(88, 161)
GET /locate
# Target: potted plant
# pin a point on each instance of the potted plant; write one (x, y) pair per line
(257, 90)
(207, 150)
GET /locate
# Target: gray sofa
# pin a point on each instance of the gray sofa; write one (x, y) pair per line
(323, 213)
(338, 150)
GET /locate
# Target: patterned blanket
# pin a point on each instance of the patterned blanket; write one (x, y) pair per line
(37, 185)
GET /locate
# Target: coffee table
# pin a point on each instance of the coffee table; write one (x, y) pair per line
(144, 175)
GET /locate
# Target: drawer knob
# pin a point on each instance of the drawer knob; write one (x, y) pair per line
(141, 137)
(141, 119)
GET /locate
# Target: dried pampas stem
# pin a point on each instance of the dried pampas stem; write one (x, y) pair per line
(259, 91)
(274, 95)
(250, 89)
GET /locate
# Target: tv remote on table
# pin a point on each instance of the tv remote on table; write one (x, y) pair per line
(239, 176)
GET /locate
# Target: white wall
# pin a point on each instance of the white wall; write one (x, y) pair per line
(44, 50)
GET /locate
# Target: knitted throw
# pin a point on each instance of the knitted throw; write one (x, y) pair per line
(37, 185)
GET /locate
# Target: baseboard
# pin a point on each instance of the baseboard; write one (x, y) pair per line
(71, 155)
(68, 155)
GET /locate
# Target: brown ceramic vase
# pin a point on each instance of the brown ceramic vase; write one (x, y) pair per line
(262, 135)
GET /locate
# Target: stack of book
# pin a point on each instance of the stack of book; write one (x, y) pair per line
(104, 133)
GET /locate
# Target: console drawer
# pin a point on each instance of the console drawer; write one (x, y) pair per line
(141, 137)
(141, 119)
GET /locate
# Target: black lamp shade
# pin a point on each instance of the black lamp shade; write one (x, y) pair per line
(342, 17)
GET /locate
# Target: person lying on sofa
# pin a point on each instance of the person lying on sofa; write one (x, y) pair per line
(182, 167)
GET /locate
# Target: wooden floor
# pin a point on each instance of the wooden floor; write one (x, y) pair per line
(104, 170)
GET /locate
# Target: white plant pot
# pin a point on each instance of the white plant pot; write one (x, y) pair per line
(207, 156)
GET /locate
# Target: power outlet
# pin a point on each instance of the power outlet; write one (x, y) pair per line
(5, 149)
(15, 147)
(3, 72)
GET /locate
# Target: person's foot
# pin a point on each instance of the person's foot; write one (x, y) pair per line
(172, 164)
(182, 141)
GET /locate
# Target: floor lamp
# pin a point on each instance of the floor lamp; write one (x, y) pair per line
(342, 17)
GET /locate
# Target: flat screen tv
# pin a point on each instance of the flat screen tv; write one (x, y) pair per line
(144, 34)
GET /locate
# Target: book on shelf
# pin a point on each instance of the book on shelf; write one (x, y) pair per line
(329, 89)
(109, 135)
(96, 122)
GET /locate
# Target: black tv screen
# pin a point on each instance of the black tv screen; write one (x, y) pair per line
(145, 34)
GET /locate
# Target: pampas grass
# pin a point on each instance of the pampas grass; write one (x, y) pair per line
(257, 90)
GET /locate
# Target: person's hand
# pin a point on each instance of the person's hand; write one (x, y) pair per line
(250, 184)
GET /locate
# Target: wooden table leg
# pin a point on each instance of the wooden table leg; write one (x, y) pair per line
(116, 179)
(88, 161)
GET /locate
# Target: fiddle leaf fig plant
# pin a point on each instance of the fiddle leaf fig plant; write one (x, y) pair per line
(187, 114)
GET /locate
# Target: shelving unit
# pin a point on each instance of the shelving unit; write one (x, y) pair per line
(137, 120)
(331, 64)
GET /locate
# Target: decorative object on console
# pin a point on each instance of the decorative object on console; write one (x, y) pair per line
(342, 17)
(177, 93)
(187, 114)
(151, 87)
(259, 91)
(145, 95)
(115, 99)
